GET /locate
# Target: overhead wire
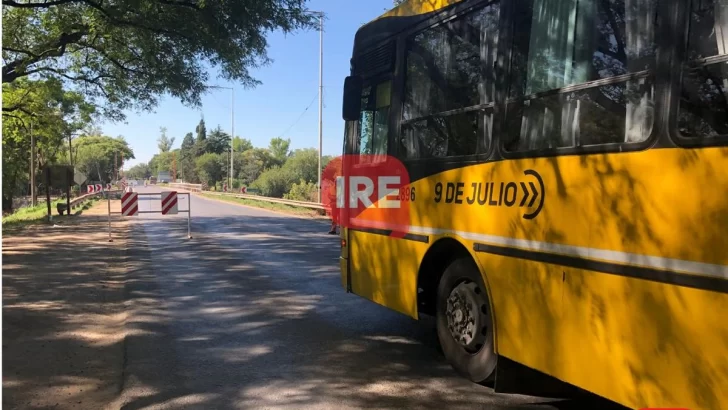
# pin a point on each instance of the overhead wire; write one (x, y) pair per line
(299, 117)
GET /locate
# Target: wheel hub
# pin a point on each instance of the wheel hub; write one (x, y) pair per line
(464, 317)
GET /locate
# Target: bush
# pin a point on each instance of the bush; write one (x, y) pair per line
(274, 182)
(303, 191)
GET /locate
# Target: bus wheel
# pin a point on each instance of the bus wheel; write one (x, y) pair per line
(465, 322)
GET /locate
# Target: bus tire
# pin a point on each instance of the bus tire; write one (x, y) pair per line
(465, 322)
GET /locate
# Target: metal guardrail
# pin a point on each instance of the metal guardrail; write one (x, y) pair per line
(198, 188)
(78, 201)
(301, 204)
(186, 187)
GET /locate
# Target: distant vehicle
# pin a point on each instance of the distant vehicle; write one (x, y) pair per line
(164, 176)
(567, 195)
(152, 180)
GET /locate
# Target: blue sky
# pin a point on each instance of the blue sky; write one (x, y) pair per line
(289, 85)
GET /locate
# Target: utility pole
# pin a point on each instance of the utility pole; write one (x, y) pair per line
(174, 166)
(321, 96)
(232, 135)
(47, 170)
(116, 169)
(68, 183)
(33, 196)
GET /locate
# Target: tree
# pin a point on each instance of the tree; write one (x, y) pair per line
(241, 144)
(254, 162)
(139, 171)
(210, 168)
(163, 162)
(187, 159)
(201, 140)
(52, 114)
(218, 141)
(303, 164)
(129, 53)
(164, 142)
(279, 149)
(97, 156)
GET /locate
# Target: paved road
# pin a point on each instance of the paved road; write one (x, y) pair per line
(250, 313)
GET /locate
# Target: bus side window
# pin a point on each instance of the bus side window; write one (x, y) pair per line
(449, 87)
(703, 111)
(582, 73)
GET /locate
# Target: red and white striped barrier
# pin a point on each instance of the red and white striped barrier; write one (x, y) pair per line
(169, 203)
(169, 206)
(130, 204)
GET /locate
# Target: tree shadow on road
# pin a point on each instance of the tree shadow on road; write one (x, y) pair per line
(251, 313)
(63, 317)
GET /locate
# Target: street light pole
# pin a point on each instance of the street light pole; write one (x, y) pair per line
(232, 126)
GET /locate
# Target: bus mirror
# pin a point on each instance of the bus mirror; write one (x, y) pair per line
(352, 98)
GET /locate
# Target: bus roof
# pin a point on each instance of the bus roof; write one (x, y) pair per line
(417, 7)
(397, 19)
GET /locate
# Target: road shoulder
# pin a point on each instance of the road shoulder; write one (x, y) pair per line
(64, 314)
(321, 219)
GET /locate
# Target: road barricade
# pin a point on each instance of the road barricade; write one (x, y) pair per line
(168, 206)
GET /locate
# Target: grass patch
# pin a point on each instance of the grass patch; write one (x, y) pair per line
(88, 204)
(31, 215)
(273, 206)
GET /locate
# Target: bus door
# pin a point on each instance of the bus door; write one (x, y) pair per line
(372, 253)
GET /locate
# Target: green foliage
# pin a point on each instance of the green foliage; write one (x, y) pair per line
(38, 214)
(218, 141)
(31, 214)
(162, 162)
(139, 171)
(274, 182)
(210, 168)
(96, 156)
(186, 165)
(51, 114)
(279, 149)
(201, 140)
(252, 163)
(303, 163)
(303, 191)
(164, 143)
(125, 54)
(241, 144)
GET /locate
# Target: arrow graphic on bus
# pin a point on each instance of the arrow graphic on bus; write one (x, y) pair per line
(525, 191)
(536, 211)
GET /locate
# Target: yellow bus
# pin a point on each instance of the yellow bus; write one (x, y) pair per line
(569, 164)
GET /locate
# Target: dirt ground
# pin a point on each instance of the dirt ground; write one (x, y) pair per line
(63, 313)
